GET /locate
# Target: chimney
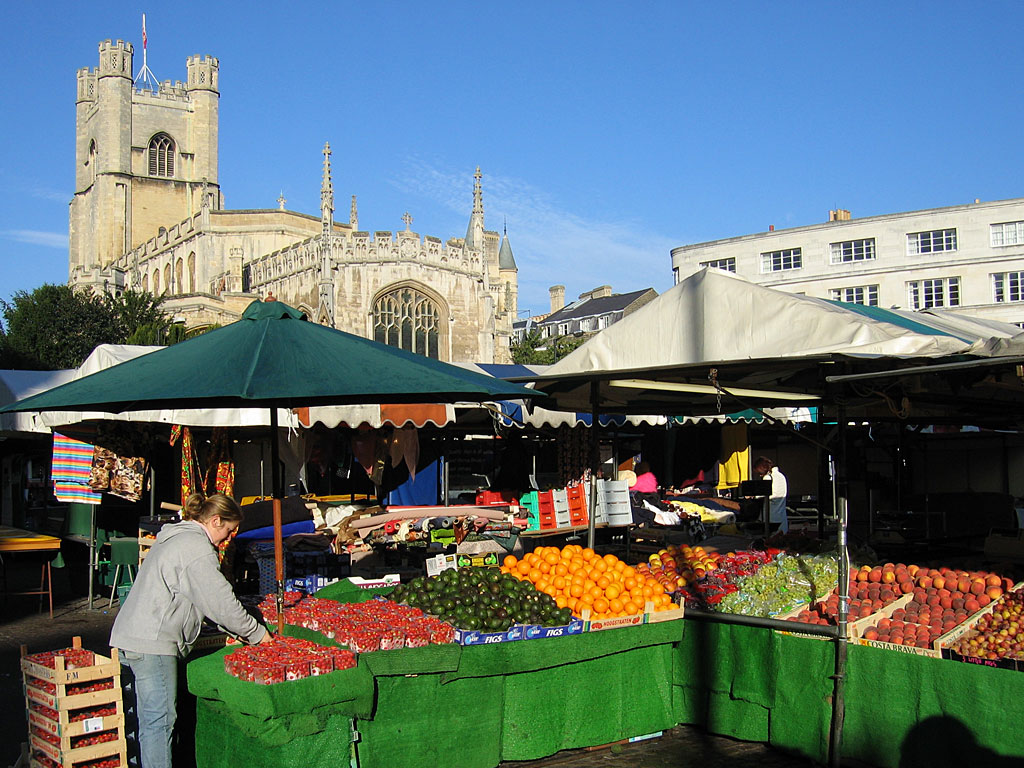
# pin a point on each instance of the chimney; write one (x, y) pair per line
(557, 293)
(839, 214)
(600, 292)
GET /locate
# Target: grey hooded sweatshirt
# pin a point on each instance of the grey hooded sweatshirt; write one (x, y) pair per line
(179, 584)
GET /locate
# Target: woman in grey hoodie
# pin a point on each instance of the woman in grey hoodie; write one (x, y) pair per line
(179, 584)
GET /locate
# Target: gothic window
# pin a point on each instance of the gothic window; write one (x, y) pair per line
(192, 272)
(167, 279)
(145, 283)
(161, 155)
(179, 269)
(408, 319)
(156, 282)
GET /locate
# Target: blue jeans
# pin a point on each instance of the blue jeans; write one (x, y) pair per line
(152, 680)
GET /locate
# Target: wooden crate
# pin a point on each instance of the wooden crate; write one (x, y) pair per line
(52, 734)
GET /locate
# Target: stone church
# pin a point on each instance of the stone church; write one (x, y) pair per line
(148, 214)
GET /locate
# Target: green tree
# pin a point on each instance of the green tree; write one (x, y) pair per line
(532, 349)
(527, 351)
(56, 326)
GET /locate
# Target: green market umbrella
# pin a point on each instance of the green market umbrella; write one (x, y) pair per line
(272, 358)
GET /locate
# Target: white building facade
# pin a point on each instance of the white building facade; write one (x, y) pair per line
(967, 258)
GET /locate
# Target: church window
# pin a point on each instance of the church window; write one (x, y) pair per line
(145, 283)
(409, 320)
(156, 282)
(179, 269)
(167, 279)
(161, 155)
(192, 272)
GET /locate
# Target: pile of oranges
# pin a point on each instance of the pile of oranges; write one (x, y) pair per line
(579, 578)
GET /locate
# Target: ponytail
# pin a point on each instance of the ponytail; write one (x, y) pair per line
(201, 508)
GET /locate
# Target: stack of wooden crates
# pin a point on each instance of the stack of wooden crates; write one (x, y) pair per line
(75, 715)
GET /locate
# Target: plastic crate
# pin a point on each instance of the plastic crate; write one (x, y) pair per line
(299, 565)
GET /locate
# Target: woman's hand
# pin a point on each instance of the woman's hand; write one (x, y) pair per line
(267, 638)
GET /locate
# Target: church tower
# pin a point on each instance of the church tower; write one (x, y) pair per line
(144, 159)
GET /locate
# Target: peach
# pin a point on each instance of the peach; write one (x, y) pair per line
(913, 569)
(924, 582)
(971, 605)
(870, 633)
(964, 584)
(977, 587)
(993, 580)
(875, 575)
(994, 592)
(939, 582)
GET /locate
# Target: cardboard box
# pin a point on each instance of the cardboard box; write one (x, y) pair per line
(388, 580)
(1005, 545)
(476, 637)
(856, 629)
(944, 641)
(537, 632)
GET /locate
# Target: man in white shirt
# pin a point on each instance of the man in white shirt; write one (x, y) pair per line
(765, 469)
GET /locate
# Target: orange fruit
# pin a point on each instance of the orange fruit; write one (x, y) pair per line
(610, 560)
(561, 601)
(559, 582)
(598, 565)
(587, 553)
(523, 567)
(630, 608)
(551, 558)
(550, 590)
(629, 583)
(566, 553)
(612, 591)
(628, 571)
(587, 599)
(535, 575)
(576, 590)
(615, 605)
(596, 592)
(544, 567)
(603, 582)
(561, 569)
(510, 561)
(600, 605)
(533, 558)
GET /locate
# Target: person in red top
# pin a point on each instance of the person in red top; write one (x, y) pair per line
(646, 482)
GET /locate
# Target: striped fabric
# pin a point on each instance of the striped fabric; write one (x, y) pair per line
(72, 462)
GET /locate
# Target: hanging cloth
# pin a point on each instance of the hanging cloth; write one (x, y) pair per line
(404, 445)
(189, 461)
(735, 456)
(220, 464)
(70, 471)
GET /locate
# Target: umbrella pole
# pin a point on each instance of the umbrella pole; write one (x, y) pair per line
(594, 464)
(839, 676)
(275, 484)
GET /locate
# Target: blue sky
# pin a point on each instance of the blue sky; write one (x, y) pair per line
(607, 133)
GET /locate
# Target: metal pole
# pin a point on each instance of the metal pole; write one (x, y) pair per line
(594, 465)
(839, 676)
(275, 481)
(93, 556)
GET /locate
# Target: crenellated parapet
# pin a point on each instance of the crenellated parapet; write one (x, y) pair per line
(361, 248)
(203, 73)
(176, 91)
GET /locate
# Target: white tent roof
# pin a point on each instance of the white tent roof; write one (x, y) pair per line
(715, 315)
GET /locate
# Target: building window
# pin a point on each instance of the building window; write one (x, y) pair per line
(940, 292)
(777, 261)
(161, 155)
(409, 320)
(604, 321)
(856, 294)
(726, 265)
(852, 250)
(1006, 286)
(936, 241)
(563, 329)
(1008, 233)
